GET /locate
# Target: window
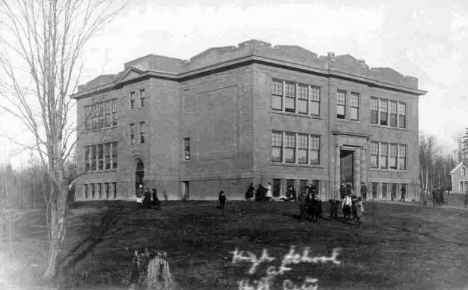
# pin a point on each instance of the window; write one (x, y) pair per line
(187, 148)
(87, 157)
(316, 184)
(101, 115)
(88, 118)
(302, 148)
(107, 155)
(384, 190)
(374, 155)
(302, 99)
(114, 112)
(341, 105)
(276, 188)
(114, 155)
(276, 146)
(383, 112)
(277, 95)
(307, 149)
(142, 132)
(393, 114)
(132, 100)
(93, 157)
(290, 148)
(93, 187)
(314, 150)
(375, 187)
(106, 188)
(402, 114)
(393, 156)
(99, 192)
(290, 94)
(108, 113)
(374, 110)
(463, 171)
(302, 186)
(132, 134)
(95, 117)
(383, 155)
(142, 98)
(85, 191)
(402, 157)
(354, 106)
(114, 190)
(461, 186)
(100, 153)
(315, 101)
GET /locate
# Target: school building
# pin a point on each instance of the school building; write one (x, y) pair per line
(257, 113)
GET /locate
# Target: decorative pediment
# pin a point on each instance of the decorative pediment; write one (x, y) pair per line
(130, 73)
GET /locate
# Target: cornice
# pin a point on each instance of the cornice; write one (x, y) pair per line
(244, 61)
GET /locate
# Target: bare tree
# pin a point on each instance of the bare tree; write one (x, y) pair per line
(42, 44)
(427, 151)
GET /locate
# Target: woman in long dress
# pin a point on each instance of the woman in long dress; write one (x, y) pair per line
(269, 194)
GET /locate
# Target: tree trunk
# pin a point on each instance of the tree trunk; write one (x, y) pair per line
(58, 215)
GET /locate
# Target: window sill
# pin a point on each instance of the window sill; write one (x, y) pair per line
(101, 129)
(388, 127)
(297, 165)
(101, 171)
(347, 121)
(296, 114)
(388, 170)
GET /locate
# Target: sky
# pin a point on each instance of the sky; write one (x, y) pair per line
(425, 39)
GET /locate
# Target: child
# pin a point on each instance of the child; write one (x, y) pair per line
(353, 207)
(333, 208)
(139, 195)
(359, 211)
(222, 200)
(155, 202)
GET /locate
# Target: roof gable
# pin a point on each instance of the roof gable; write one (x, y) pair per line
(130, 73)
(457, 167)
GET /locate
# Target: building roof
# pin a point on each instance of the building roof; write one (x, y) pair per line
(290, 56)
(457, 167)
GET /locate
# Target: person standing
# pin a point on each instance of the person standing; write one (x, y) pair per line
(155, 202)
(403, 193)
(292, 193)
(364, 191)
(250, 192)
(139, 196)
(147, 199)
(222, 200)
(342, 190)
(359, 211)
(269, 193)
(301, 201)
(434, 195)
(346, 207)
(423, 197)
(333, 208)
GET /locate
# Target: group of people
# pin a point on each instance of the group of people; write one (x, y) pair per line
(147, 199)
(439, 196)
(351, 206)
(310, 206)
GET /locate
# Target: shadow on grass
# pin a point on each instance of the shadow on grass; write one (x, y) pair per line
(80, 251)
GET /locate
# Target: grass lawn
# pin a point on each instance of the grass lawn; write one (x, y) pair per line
(400, 246)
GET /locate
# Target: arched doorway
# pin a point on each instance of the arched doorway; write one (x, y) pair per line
(139, 172)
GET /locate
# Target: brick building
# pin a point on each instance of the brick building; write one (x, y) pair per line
(253, 113)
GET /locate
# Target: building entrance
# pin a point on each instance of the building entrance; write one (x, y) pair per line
(139, 173)
(347, 167)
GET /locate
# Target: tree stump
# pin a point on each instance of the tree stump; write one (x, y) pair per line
(150, 271)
